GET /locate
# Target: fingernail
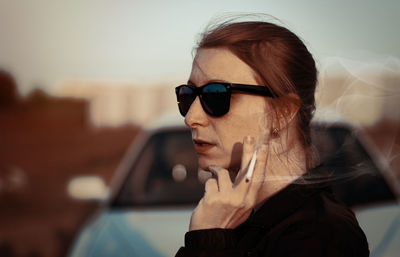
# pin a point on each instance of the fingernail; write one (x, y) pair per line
(249, 139)
(214, 169)
(263, 148)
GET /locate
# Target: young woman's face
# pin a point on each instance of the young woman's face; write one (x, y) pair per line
(218, 140)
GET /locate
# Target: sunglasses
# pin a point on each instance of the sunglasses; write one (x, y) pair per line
(215, 97)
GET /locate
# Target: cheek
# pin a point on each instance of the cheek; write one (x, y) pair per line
(247, 118)
(249, 127)
(236, 127)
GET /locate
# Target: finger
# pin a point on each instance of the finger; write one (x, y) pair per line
(259, 169)
(257, 181)
(248, 149)
(224, 180)
(211, 187)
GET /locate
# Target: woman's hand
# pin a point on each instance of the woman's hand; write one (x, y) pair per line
(226, 204)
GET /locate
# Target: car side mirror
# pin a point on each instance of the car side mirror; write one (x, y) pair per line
(88, 187)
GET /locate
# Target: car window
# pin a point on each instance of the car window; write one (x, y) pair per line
(356, 179)
(166, 173)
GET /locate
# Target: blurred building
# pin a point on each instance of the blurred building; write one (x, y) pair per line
(361, 99)
(114, 103)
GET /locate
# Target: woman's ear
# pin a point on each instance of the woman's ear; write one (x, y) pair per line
(290, 105)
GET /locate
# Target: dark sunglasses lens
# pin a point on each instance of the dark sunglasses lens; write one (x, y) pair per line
(185, 97)
(215, 99)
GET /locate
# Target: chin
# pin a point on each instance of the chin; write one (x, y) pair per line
(205, 162)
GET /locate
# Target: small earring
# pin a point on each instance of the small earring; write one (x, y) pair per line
(275, 133)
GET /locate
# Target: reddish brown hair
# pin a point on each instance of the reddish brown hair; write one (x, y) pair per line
(280, 60)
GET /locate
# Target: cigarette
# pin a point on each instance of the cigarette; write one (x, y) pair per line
(252, 164)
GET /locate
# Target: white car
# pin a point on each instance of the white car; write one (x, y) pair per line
(159, 183)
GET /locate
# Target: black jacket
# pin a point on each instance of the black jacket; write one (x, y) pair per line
(303, 219)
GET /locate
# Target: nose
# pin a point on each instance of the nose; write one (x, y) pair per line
(196, 116)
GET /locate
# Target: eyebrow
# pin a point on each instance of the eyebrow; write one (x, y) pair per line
(189, 82)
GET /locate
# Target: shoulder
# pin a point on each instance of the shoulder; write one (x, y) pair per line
(326, 224)
(323, 213)
(332, 217)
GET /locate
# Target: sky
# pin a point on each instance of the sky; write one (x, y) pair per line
(44, 42)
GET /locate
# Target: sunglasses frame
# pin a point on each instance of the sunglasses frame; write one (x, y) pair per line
(198, 91)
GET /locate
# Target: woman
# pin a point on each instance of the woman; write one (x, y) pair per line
(248, 103)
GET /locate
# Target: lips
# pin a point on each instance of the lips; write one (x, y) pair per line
(202, 146)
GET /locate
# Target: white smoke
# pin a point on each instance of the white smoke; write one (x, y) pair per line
(361, 90)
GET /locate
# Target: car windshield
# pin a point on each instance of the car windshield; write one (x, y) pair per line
(166, 170)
